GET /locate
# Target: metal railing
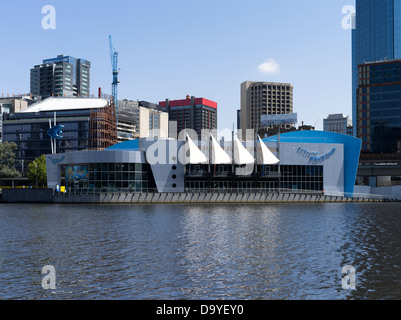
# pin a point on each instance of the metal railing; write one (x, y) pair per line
(96, 191)
(253, 190)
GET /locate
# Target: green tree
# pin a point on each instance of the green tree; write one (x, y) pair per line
(7, 160)
(37, 171)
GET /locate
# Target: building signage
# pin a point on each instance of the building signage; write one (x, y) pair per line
(277, 119)
(56, 160)
(314, 156)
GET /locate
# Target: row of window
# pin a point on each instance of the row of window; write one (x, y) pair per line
(118, 186)
(287, 172)
(252, 186)
(116, 167)
(275, 88)
(44, 127)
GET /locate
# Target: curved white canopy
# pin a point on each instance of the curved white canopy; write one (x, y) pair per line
(268, 158)
(241, 155)
(219, 156)
(195, 155)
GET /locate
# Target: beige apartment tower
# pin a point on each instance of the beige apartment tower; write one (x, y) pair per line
(264, 98)
(140, 119)
(152, 123)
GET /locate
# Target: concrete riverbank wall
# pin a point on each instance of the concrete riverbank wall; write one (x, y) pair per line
(27, 195)
(48, 196)
(393, 192)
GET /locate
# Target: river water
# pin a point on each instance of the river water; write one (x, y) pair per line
(186, 252)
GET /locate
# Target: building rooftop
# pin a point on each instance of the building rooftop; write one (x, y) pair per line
(336, 116)
(188, 101)
(65, 104)
(383, 61)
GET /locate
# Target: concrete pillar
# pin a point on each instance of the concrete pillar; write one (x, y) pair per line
(373, 182)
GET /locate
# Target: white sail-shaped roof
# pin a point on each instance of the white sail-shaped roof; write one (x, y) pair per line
(241, 155)
(195, 155)
(268, 158)
(219, 156)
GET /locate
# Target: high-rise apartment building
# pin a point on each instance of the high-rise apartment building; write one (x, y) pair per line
(63, 76)
(264, 98)
(152, 123)
(376, 37)
(338, 123)
(192, 113)
(379, 107)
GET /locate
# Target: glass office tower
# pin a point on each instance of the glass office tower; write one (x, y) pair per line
(379, 107)
(377, 37)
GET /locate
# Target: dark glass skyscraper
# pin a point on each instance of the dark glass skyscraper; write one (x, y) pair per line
(377, 37)
(379, 107)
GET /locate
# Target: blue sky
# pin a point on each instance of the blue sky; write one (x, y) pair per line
(171, 48)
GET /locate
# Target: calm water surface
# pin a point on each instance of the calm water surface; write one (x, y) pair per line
(288, 251)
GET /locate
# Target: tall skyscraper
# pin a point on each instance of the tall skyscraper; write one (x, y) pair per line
(63, 76)
(376, 37)
(264, 98)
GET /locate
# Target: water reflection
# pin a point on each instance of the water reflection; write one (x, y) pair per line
(200, 252)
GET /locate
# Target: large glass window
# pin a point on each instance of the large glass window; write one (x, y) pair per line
(109, 177)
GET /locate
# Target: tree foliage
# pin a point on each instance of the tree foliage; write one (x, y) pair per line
(7, 160)
(37, 171)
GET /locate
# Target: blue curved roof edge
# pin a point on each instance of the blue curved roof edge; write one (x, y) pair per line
(352, 150)
(130, 145)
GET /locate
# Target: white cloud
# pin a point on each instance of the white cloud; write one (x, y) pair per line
(270, 66)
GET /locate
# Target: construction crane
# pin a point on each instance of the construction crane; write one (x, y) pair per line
(116, 80)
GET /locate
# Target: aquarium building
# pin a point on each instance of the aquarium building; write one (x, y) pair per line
(301, 161)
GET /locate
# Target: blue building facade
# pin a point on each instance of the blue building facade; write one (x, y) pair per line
(377, 37)
(337, 153)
